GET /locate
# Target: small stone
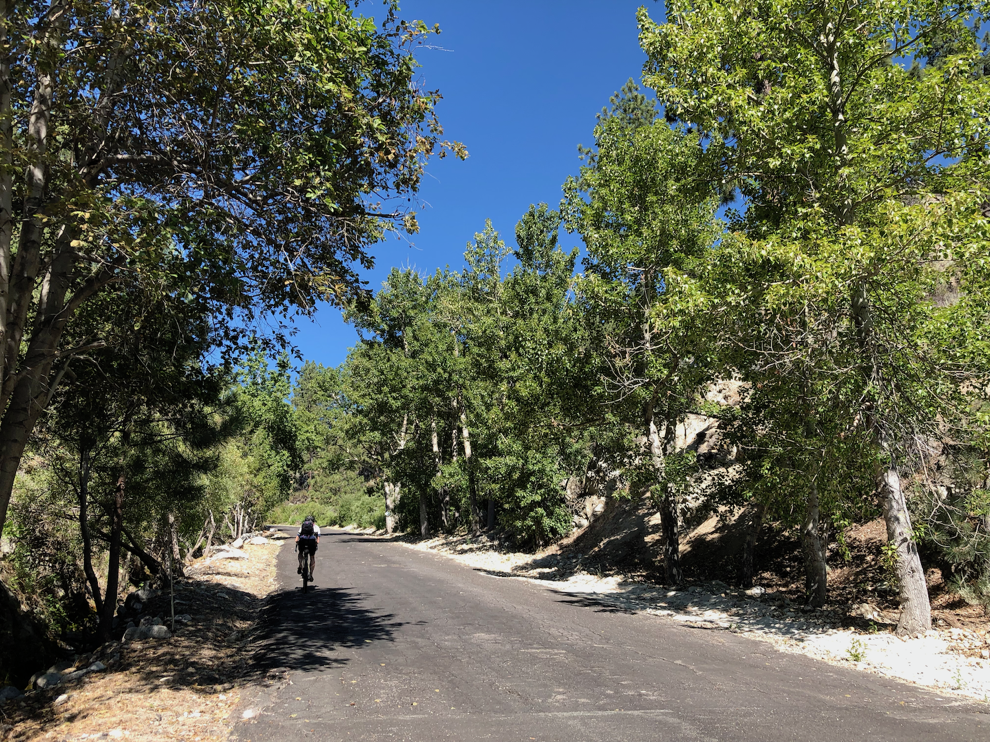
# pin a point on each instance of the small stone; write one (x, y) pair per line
(62, 699)
(63, 666)
(115, 733)
(97, 667)
(756, 592)
(249, 714)
(138, 606)
(145, 594)
(183, 618)
(238, 543)
(159, 632)
(258, 541)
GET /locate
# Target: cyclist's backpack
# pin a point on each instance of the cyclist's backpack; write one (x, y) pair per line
(307, 528)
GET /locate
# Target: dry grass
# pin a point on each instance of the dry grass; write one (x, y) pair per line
(185, 688)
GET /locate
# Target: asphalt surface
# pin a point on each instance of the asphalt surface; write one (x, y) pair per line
(397, 644)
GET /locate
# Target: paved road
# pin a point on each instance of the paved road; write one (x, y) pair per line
(396, 644)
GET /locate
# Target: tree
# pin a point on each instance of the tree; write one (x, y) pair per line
(271, 438)
(866, 179)
(267, 145)
(648, 222)
(132, 447)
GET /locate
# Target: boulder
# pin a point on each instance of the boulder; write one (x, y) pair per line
(146, 593)
(231, 555)
(258, 541)
(48, 680)
(237, 544)
(9, 692)
(62, 699)
(183, 618)
(159, 632)
(97, 667)
(73, 676)
(63, 666)
(136, 634)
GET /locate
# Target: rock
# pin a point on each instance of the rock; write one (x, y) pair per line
(258, 541)
(231, 555)
(137, 606)
(136, 634)
(159, 632)
(97, 667)
(73, 676)
(62, 699)
(130, 625)
(63, 666)
(237, 544)
(9, 692)
(146, 593)
(48, 680)
(756, 592)
(183, 618)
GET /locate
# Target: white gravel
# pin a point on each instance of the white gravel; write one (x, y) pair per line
(940, 659)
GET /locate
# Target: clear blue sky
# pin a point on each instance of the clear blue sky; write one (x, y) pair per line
(521, 82)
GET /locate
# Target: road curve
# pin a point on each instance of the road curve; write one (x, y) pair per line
(397, 644)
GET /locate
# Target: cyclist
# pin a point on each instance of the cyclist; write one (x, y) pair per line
(307, 541)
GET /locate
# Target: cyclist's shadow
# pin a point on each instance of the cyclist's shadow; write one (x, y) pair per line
(305, 631)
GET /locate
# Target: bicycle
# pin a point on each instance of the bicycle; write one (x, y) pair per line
(306, 576)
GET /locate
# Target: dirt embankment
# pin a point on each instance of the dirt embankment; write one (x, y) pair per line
(184, 687)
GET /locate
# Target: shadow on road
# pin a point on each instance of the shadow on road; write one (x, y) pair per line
(305, 631)
(588, 601)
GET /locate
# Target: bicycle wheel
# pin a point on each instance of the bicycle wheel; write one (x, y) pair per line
(305, 576)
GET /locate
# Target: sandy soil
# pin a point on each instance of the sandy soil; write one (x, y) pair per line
(183, 688)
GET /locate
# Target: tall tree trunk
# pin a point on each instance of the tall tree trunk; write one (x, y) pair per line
(469, 465)
(84, 532)
(815, 571)
(490, 521)
(424, 522)
(754, 522)
(113, 570)
(669, 525)
(916, 610)
(444, 491)
(393, 493)
(667, 504)
(6, 179)
(176, 561)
